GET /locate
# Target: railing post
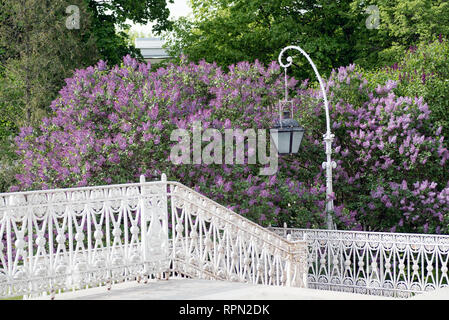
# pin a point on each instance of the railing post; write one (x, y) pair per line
(154, 222)
(9, 244)
(165, 240)
(289, 268)
(143, 226)
(297, 264)
(173, 228)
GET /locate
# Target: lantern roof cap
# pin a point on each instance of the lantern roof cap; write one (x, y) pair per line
(287, 123)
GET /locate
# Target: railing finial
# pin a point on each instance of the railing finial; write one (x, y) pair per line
(142, 178)
(164, 177)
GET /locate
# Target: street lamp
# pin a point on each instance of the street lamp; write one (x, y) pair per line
(287, 134)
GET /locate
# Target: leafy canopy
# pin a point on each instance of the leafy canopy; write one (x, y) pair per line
(334, 33)
(423, 71)
(38, 51)
(110, 16)
(230, 31)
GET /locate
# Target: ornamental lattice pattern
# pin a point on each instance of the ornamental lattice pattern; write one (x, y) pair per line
(57, 240)
(212, 242)
(387, 264)
(73, 238)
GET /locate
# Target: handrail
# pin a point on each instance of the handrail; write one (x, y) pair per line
(377, 263)
(63, 239)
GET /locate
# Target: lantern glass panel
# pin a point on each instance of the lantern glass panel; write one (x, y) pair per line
(297, 139)
(281, 139)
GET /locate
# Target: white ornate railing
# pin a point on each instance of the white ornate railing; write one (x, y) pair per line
(212, 242)
(74, 238)
(66, 239)
(387, 264)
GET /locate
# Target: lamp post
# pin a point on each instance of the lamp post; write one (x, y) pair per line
(328, 137)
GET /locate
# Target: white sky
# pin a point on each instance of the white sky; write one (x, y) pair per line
(177, 9)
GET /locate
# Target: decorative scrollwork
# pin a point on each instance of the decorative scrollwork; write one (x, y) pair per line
(396, 264)
(101, 235)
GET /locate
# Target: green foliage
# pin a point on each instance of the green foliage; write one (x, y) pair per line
(38, 51)
(231, 31)
(334, 33)
(109, 16)
(403, 23)
(422, 72)
(42, 52)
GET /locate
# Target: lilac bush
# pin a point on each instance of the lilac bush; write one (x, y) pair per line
(391, 170)
(111, 125)
(422, 71)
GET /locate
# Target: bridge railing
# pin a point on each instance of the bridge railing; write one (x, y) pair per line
(66, 239)
(213, 242)
(59, 240)
(387, 264)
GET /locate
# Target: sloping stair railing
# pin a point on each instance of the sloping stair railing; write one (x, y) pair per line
(212, 242)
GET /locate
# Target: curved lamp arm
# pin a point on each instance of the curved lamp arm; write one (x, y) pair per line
(328, 137)
(323, 91)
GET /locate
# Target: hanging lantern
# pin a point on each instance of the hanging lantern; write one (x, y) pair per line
(287, 134)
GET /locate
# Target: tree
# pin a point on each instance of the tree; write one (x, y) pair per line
(401, 24)
(42, 42)
(334, 33)
(42, 52)
(228, 32)
(110, 16)
(39, 52)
